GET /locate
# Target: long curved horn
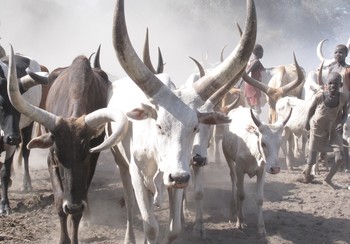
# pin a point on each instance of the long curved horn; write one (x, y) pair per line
(160, 67)
(200, 67)
(235, 62)
(300, 78)
(239, 29)
(222, 54)
(319, 77)
(320, 52)
(220, 93)
(101, 116)
(128, 59)
(251, 81)
(285, 121)
(146, 55)
(256, 121)
(39, 115)
(97, 63)
(234, 103)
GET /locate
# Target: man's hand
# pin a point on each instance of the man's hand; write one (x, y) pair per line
(339, 128)
(307, 126)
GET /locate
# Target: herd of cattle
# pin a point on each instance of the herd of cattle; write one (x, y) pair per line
(159, 134)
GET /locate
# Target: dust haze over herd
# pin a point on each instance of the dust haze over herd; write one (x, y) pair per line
(54, 32)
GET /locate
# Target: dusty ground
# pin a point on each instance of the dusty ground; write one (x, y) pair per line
(293, 212)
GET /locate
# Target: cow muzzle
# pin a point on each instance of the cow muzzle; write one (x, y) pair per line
(12, 139)
(199, 160)
(274, 170)
(73, 208)
(179, 180)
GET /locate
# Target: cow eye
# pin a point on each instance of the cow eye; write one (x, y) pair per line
(196, 129)
(159, 127)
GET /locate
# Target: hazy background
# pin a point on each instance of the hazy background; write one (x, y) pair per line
(54, 32)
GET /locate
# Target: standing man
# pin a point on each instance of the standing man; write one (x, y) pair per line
(340, 66)
(326, 117)
(255, 68)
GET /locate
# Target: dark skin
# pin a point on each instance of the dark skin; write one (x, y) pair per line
(331, 100)
(258, 52)
(331, 96)
(339, 55)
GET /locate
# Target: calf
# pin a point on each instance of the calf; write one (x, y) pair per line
(295, 128)
(250, 147)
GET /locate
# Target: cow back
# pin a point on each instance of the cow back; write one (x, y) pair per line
(77, 89)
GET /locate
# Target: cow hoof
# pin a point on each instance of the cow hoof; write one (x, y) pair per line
(26, 188)
(199, 233)
(6, 210)
(9, 185)
(306, 179)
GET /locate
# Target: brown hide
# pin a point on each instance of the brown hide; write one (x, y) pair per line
(77, 89)
(229, 98)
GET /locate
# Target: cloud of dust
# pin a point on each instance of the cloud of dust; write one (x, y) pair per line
(54, 32)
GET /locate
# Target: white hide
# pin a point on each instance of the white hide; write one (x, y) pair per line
(250, 150)
(158, 146)
(295, 127)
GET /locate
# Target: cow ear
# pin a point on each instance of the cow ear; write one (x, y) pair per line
(43, 141)
(143, 112)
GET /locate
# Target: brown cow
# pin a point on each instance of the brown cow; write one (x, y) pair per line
(74, 121)
(279, 85)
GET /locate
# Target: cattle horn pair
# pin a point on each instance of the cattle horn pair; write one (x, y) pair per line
(206, 85)
(147, 57)
(94, 120)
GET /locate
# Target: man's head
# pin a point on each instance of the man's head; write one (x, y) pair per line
(258, 51)
(334, 82)
(340, 53)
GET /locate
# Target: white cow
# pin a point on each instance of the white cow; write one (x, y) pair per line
(286, 80)
(250, 147)
(200, 148)
(164, 122)
(295, 126)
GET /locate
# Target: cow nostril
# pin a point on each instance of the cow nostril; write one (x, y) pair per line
(12, 140)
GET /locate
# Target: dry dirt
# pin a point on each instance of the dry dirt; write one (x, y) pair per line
(293, 212)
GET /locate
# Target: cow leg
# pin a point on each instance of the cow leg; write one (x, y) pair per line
(145, 202)
(217, 143)
(75, 220)
(287, 147)
(303, 145)
(260, 181)
(233, 203)
(198, 194)
(346, 155)
(240, 224)
(58, 195)
(26, 137)
(233, 175)
(175, 199)
(5, 179)
(129, 196)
